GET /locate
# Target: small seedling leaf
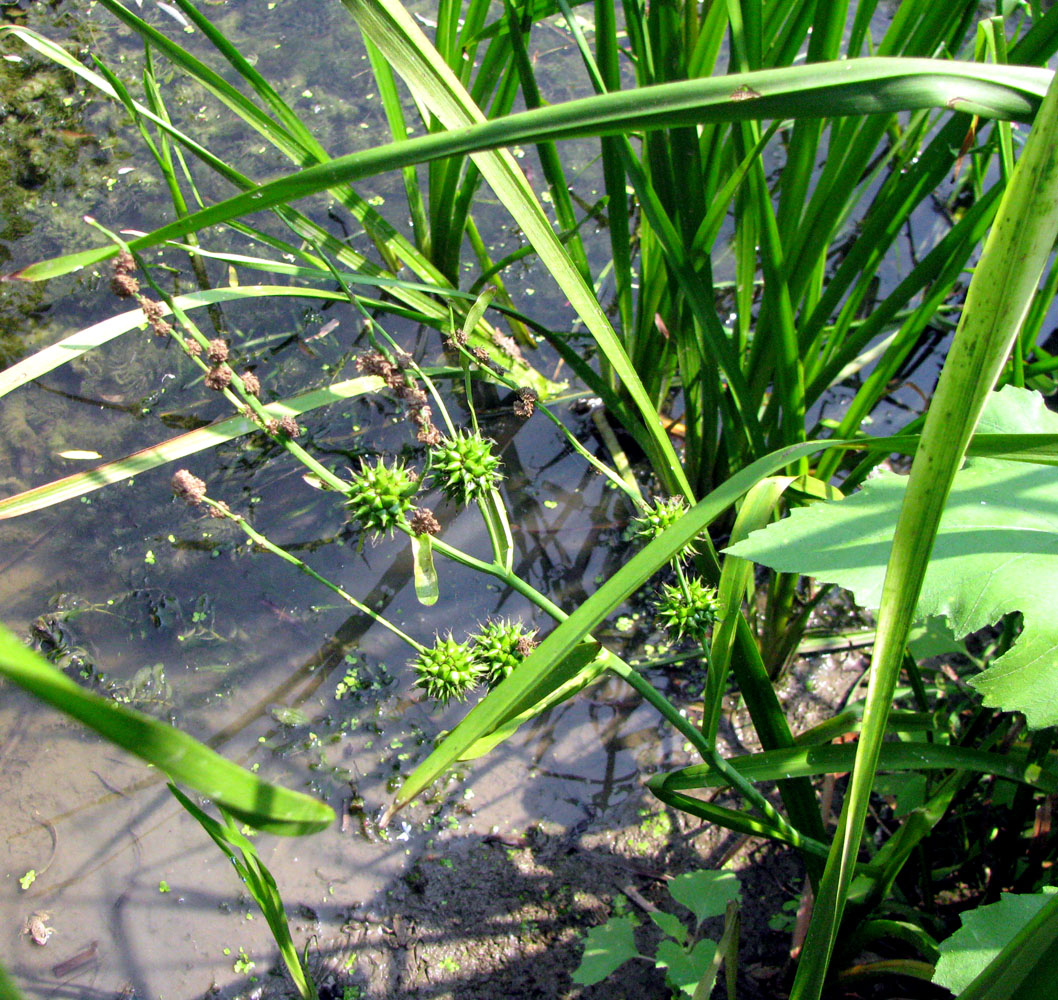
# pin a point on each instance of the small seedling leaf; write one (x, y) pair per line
(685, 969)
(606, 948)
(705, 893)
(983, 934)
(670, 924)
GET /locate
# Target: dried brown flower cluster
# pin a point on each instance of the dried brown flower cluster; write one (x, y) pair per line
(154, 312)
(525, 403)
(251, 384)
(423, 522)
(415, 398)
(123, 284)
(189, 487)
(218, 378)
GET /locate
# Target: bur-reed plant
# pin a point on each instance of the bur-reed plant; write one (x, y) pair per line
(747, 385)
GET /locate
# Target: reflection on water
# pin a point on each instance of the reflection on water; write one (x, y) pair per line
(175, 615)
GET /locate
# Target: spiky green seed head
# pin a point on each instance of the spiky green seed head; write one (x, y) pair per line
(448, 670)
(663, 514)
(380, 495)
(464, 467)
(500, 647)
(690, 614)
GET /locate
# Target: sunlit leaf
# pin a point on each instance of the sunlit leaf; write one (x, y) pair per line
(606, 949)
(996, 552)
(262, 805)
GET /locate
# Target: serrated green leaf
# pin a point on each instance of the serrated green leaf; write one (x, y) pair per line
(670, 924)
(685, 969)
(606, 948)
(996, 552)
(983, 934)
(705, 893)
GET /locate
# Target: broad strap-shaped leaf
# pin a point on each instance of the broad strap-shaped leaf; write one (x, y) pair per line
(996, 552)
(262, 805)
(178, 447)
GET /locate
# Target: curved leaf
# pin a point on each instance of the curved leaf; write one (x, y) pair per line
(264, 806)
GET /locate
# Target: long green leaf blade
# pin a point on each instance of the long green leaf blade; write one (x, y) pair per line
(262, 805)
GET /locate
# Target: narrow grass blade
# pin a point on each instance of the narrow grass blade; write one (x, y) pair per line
(178, 447)
(999, 296)
(810, 762)
(262, 805)
(91, 337)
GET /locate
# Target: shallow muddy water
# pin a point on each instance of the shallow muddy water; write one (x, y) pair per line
(175, 614)
(172, 613)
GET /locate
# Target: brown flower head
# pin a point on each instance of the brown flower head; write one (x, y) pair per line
(508, 345)
(217, 351)
(162, 329)
(526, 644)
(124, 286)
(251, 384)
(525, 403)
(193, 347)
(374, 363)
(423, 522)
(218, 378)
(289, 426)
(190, 487)
(154, 311)
(411, 394)
(221, 510)
(124, 263)
(272, 426)
(429, 435)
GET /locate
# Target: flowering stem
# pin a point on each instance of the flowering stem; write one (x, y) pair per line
(259, 539)
(709, 753)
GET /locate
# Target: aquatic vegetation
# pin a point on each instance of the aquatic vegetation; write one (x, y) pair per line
(745, 362)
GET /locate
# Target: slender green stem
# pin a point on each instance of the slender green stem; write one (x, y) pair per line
(709, 754)
(259, 539)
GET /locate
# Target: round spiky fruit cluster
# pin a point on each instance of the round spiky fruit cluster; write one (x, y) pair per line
(380, 496)
(689, 613)
(448, 670)
(464, 467)
(500, 647)
(663, 514)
